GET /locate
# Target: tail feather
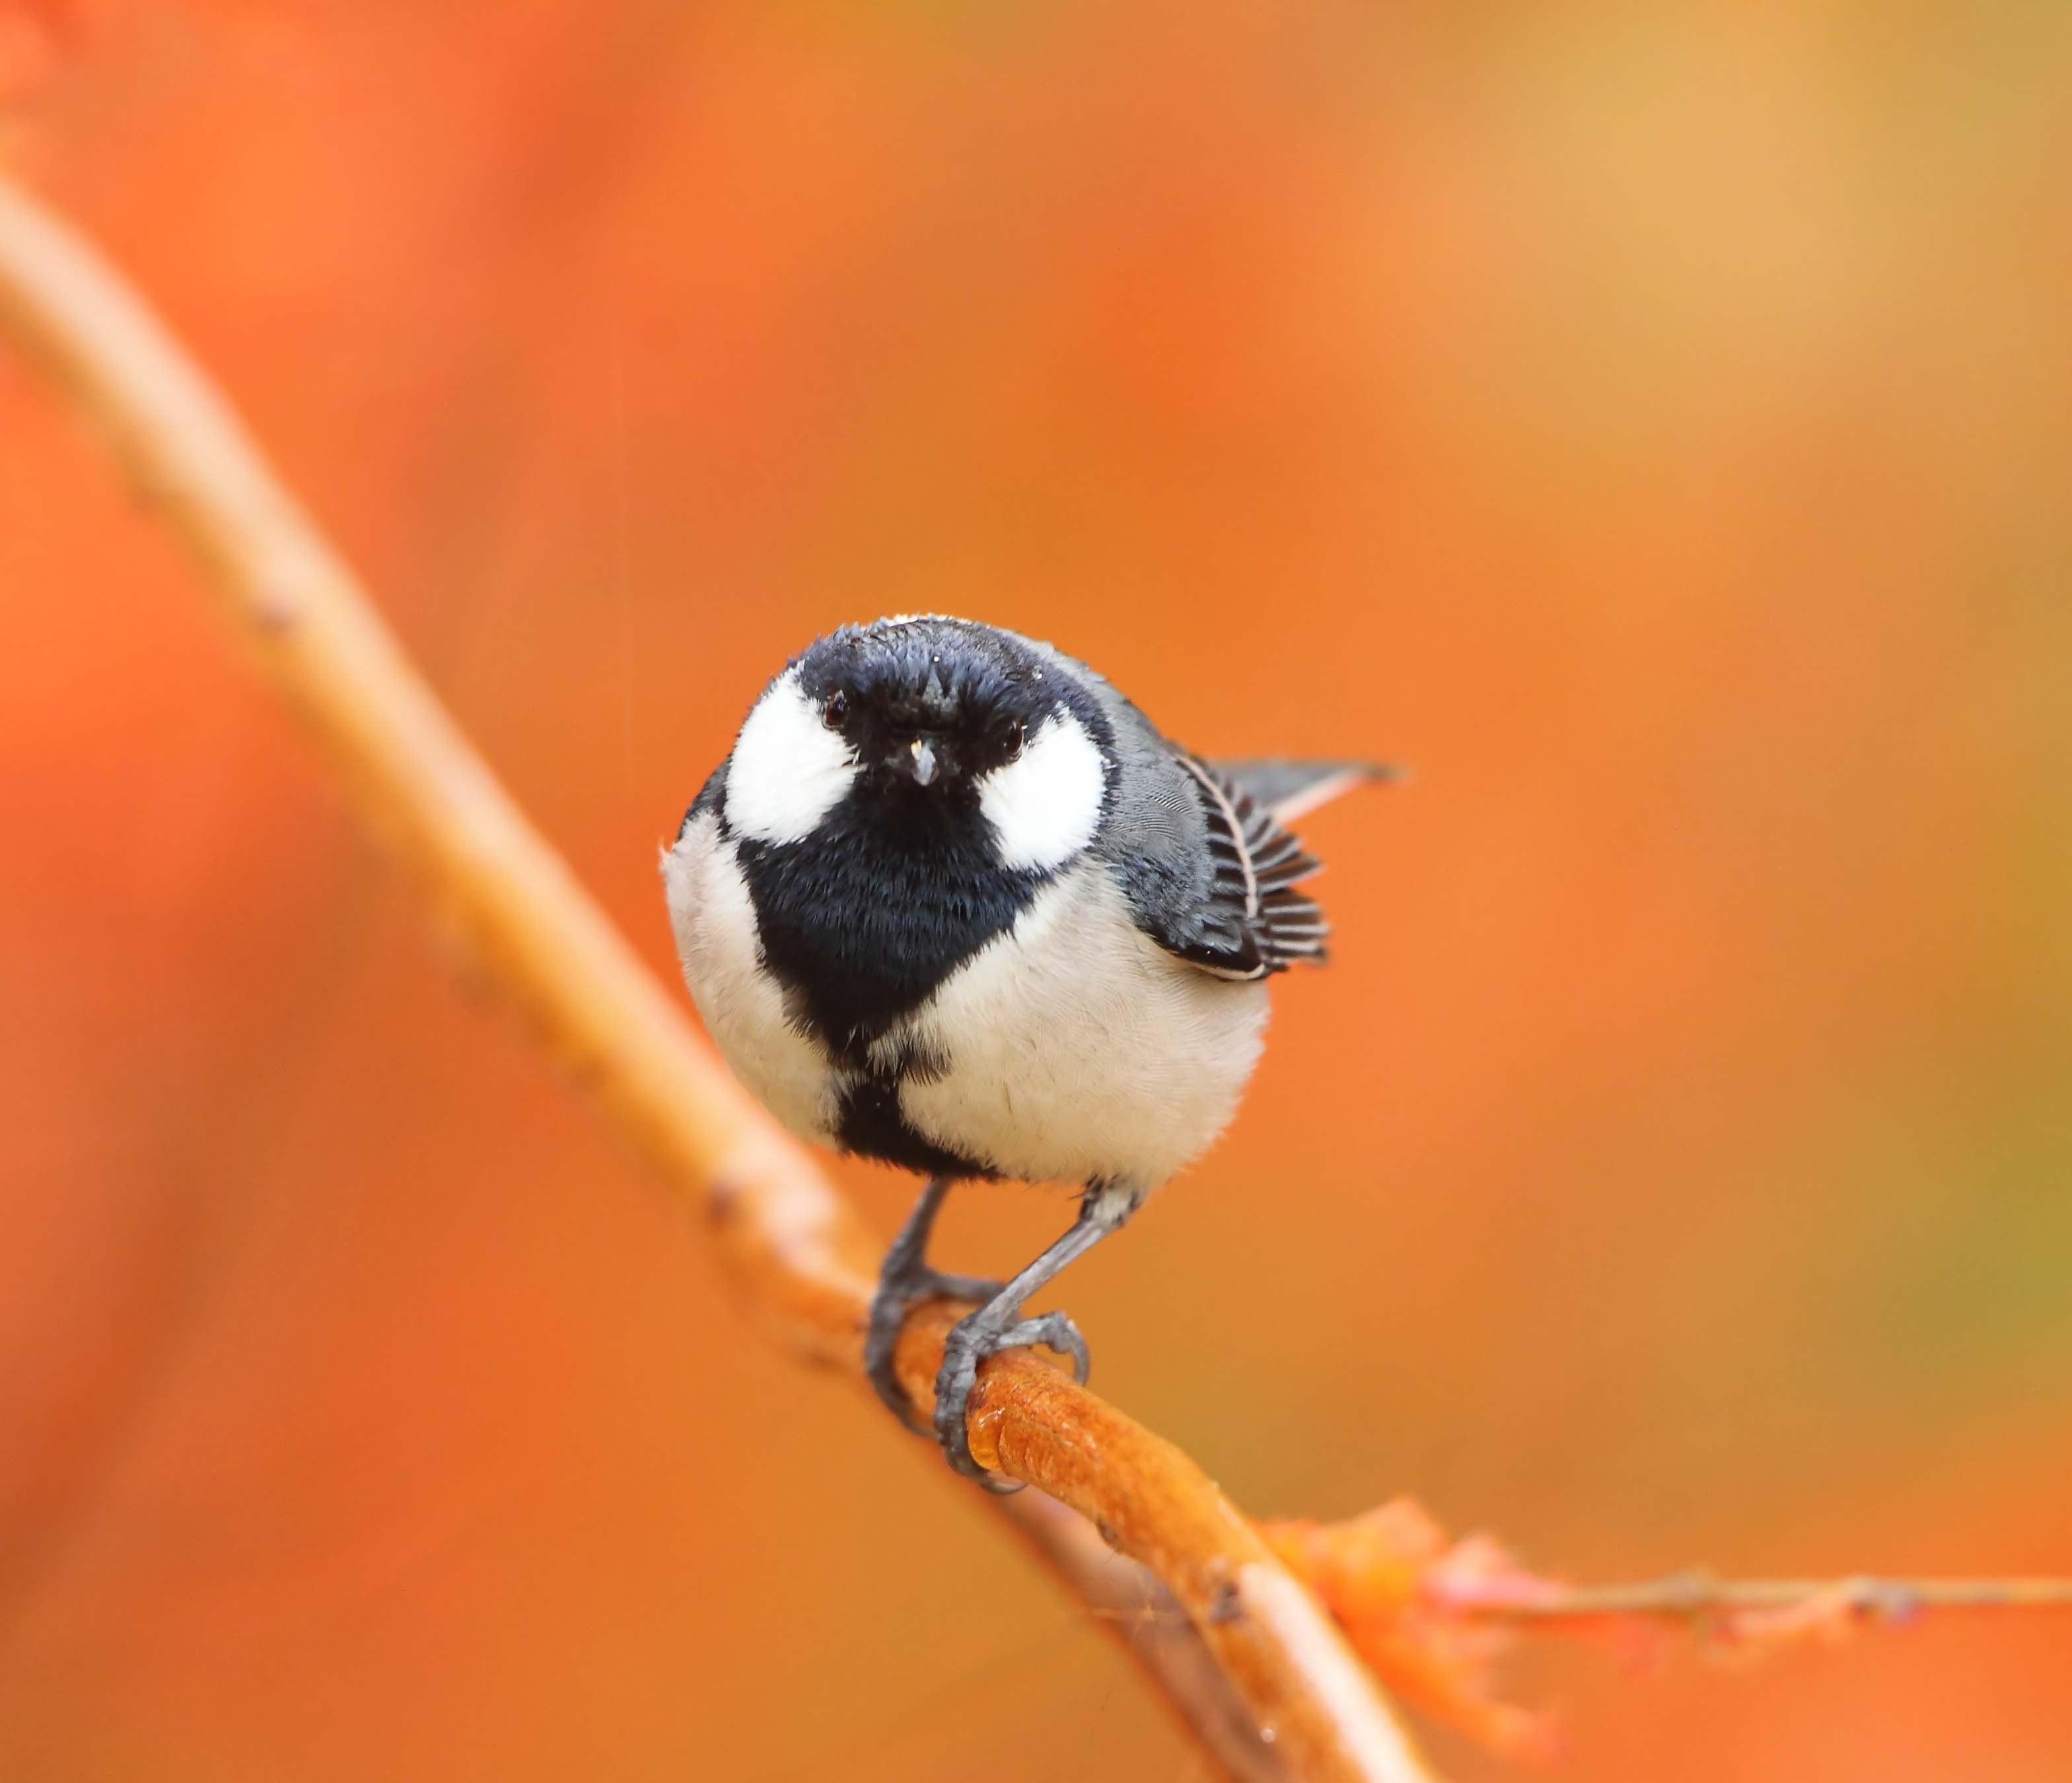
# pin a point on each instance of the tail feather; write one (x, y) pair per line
(1289, 790)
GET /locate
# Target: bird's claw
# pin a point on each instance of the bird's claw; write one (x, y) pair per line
(899, 1291)
(1053, 1331)
(971, 1340)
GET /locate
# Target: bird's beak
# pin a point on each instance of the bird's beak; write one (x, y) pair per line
(927, 763)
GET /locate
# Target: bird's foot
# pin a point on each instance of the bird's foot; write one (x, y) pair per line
(904, 1285)
(991, 1329)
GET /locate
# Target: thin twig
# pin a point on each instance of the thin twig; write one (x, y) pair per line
(1696, 1595)
(802, 1258)
(1432, 1613)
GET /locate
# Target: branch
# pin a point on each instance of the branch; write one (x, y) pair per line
(803, 1260)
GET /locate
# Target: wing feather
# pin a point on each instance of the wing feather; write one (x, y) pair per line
(1254, 923)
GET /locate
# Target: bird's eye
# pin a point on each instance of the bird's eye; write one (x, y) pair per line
(835, 709)
(1014, 739)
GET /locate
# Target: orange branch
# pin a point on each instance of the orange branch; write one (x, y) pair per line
(1283, 1694)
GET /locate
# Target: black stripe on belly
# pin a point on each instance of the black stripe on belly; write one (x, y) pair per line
(863, 920)
(873, 1126)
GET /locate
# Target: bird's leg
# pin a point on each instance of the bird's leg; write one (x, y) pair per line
(904, 1280)
(999, 1325)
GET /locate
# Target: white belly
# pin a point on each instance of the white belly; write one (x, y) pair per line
(1079, 1050)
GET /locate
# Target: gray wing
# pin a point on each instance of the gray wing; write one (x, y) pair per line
(1210, 875)
(1291, 789)
(1208, 870)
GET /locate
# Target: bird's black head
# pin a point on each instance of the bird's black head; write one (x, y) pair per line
(926, 732)
(928, 708)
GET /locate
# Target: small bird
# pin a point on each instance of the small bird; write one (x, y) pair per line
(955, 904)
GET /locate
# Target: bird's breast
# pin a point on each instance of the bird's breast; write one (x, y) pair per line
(1072, 1046)
(1048, 1040)
(860, 927)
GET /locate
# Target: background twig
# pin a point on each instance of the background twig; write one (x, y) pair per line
(1434, 1614)
(1696, 1595)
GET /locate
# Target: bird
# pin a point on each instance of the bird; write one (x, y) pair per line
(953, 902)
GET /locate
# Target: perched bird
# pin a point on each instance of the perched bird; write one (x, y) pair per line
(954, 903)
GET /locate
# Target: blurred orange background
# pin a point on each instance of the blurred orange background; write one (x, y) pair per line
(1654, 424)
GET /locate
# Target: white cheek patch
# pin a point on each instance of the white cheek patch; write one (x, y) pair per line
(1044, 805)
(788, 770)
